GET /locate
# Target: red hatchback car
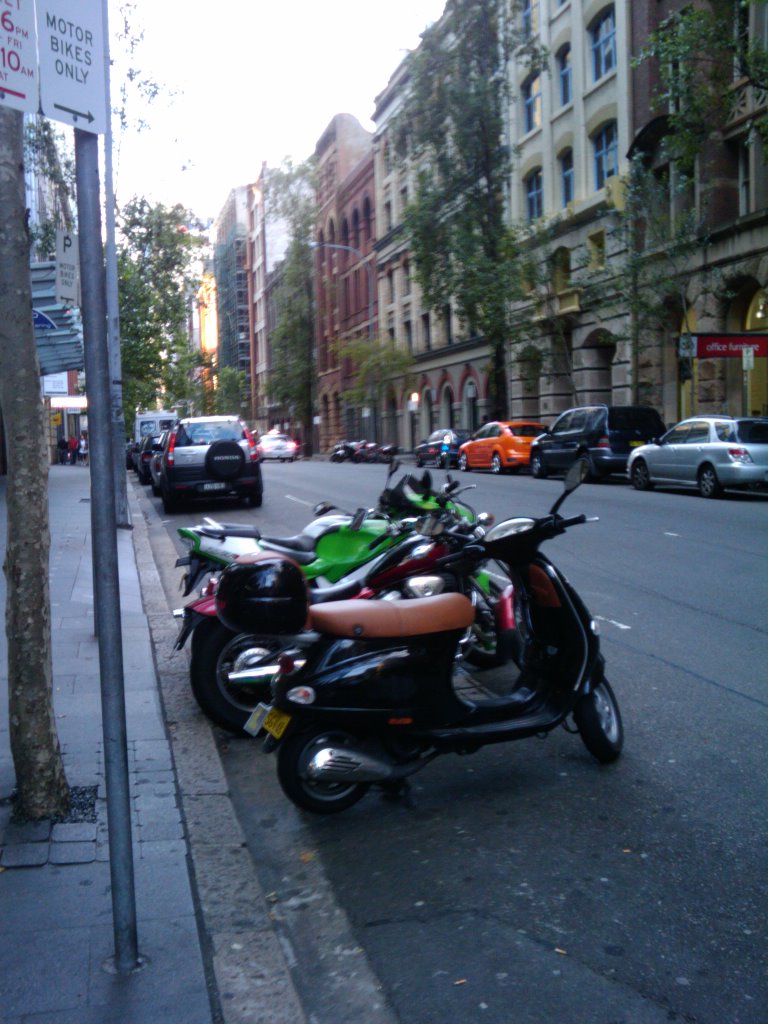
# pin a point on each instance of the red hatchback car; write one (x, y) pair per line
(500, 446)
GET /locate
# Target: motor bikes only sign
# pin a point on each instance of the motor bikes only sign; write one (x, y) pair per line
(70, 37)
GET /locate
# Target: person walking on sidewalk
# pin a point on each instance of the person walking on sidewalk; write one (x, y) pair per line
(61, 444)
(83, 448)
(72, 445)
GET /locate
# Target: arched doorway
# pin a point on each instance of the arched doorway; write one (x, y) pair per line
(446, 407)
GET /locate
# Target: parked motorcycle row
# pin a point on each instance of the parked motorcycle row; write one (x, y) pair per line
(363, 451)
(344, 645)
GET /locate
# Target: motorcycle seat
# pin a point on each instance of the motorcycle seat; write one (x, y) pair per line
(373, 619)
(295, 554)
(301, 542)
(338, 592)
(225, 530)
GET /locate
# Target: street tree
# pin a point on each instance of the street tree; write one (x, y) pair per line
(42, 789)
(707, 59)
(452, 127)
(290, 197)
(231, 390)
(157, 253)
(378, 362)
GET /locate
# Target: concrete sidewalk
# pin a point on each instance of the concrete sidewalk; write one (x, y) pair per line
(203, 924)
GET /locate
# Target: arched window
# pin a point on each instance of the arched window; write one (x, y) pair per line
(603, 36)
(367, 221)
(606, 153)
(356, 229)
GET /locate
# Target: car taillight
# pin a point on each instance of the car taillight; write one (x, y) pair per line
(253, 448)
(171, 445)
(603, 442)
(739, 455)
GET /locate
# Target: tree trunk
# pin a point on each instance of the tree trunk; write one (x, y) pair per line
(42, 789)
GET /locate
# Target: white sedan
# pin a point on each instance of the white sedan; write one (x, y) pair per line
(278, 446)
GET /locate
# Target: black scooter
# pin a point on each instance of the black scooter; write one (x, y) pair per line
(369, 697)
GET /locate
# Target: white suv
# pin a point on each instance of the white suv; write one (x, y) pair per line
(210, 456)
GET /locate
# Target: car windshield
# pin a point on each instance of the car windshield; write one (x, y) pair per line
(636, 418)
(753, 431)
(207, 433)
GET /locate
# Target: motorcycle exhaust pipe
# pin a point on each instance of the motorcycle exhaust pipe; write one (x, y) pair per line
(345, 764)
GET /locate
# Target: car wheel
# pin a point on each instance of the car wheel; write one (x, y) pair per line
(440, 462)
(640, 476)
(709, 485)
(538, 469)
(594, 476)
(419, 462)
(257, 499)
(170, 501)
(224, 460)
(463, 464)
(496, 463)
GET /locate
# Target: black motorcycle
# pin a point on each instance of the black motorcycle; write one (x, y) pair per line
(368, 696)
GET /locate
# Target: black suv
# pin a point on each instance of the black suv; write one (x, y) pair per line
(210, 456)
(603, 434)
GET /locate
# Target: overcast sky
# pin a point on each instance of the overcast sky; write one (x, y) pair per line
(243, 82)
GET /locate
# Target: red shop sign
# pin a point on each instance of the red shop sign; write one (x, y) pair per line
(724, 346)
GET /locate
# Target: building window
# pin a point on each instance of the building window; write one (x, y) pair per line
(596, 250)
(448, 321)
(391, 286)
(530, 18)
(744, 180)
(388, 216)
(534, 195)
(408, 330)
(406, 278)
(566, 176)
(532, 102)
(564, 75)
(606, 149)
(603, 34)
(426, 330)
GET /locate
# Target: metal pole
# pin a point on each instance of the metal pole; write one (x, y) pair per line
(105, 565)
(113, 309)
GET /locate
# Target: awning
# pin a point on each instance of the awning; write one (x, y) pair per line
(58, 329)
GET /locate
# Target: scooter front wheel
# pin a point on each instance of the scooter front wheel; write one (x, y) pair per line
(293, 758)
(598, 718)
(217, 651)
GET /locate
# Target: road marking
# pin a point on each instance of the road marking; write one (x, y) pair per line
(611, 622)
(309, 504)
(668, 533)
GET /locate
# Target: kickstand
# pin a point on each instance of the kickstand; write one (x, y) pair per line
(400, 789)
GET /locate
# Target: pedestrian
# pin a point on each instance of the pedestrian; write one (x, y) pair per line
(83, 448)
(72, 445)
(61, 444)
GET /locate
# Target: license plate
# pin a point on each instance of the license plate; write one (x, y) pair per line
(636, 444)
(268, 718)
(214, 487)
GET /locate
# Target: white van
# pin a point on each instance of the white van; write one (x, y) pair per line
(153, 422)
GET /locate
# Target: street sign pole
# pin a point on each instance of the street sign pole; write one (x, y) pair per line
(105, 563)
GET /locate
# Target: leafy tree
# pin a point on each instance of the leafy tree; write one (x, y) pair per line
(231, 390)
(700, 51)
(377, 362)
(290, 196)
(452, 125)
(42, 786)
(48, 152)
(156, 259)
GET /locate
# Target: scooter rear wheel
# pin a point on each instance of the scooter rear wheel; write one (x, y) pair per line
(217, 651)
(599, 720)
(293, 756)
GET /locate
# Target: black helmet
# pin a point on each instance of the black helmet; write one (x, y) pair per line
(267, 594)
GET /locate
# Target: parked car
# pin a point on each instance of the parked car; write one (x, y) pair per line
(208, 456)
(156, 461)
(146, 451)
(706, 452)
(602, 434)
(441, 448)
(277, 446)
(500, 445)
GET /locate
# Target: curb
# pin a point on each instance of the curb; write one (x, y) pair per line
(248, 975)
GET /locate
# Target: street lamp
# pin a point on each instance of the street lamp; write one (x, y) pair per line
(367, 265)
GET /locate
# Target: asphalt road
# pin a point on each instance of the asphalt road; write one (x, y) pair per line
(527, 883)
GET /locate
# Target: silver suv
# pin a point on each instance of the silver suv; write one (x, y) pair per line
(210, 456)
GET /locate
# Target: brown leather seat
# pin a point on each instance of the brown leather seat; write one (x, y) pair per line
(392, 618)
